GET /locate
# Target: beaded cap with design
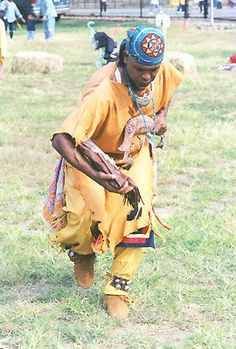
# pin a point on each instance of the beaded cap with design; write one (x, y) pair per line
(146, 45)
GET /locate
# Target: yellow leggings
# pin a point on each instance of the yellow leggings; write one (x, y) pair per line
(125, 264)
(125, 261)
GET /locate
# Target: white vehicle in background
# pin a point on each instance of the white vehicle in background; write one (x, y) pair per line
(62, 7)
(28, 6)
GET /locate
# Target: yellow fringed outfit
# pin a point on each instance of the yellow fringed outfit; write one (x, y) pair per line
(101, 116)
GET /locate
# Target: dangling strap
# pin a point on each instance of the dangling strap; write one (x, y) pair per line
(53, 211)
(164, 225)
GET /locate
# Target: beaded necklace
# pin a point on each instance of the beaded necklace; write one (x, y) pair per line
(143, 101)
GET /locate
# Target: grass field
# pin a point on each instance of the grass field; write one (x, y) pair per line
(185, 292)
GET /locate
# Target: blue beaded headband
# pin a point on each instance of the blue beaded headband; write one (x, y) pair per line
(146, 45)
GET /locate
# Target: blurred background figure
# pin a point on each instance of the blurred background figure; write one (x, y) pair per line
(103, 7)
(104, 43)
(200, 4)
(186, 9)
(155, 6)
(108, 44)
(48, 14)
(232, 3)
(205, 8)
(181, 6)
(31, 26)
(11, 16)
(3, 44)
(163, 22)
(219, 4)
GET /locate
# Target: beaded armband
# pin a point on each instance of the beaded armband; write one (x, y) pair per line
(120, 283)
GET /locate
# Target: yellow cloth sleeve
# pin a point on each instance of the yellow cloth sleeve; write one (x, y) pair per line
(168, 80)
(175, 76)
(3, 42)
(87, 119)
(92, 115)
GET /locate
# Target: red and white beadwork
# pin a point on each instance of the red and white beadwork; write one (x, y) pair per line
(152, 45)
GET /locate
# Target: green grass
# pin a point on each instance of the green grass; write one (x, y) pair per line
(185, 291)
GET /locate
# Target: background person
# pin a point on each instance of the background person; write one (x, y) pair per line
(205, 8)
(155, 6)
(186, 8)
(181, 6)
(103, 7)
(31, 26)
(12, 14)
(200, 4)
(48, 14)
(94, 218)
(105, 42)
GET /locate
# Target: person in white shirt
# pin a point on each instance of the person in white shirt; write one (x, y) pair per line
(12, 14)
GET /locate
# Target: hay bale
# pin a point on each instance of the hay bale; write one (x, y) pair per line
(184, 62)
(36, 61)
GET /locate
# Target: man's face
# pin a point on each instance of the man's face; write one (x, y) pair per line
(140, 75)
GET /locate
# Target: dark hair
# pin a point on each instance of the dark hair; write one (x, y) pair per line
(122, 52)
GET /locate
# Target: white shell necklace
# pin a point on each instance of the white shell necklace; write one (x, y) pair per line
(143, 101)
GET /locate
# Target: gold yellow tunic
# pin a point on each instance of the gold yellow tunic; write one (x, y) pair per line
(102, 116)
(3, 42)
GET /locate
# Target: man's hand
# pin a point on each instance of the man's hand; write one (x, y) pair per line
(65, 146)
(107, 180)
